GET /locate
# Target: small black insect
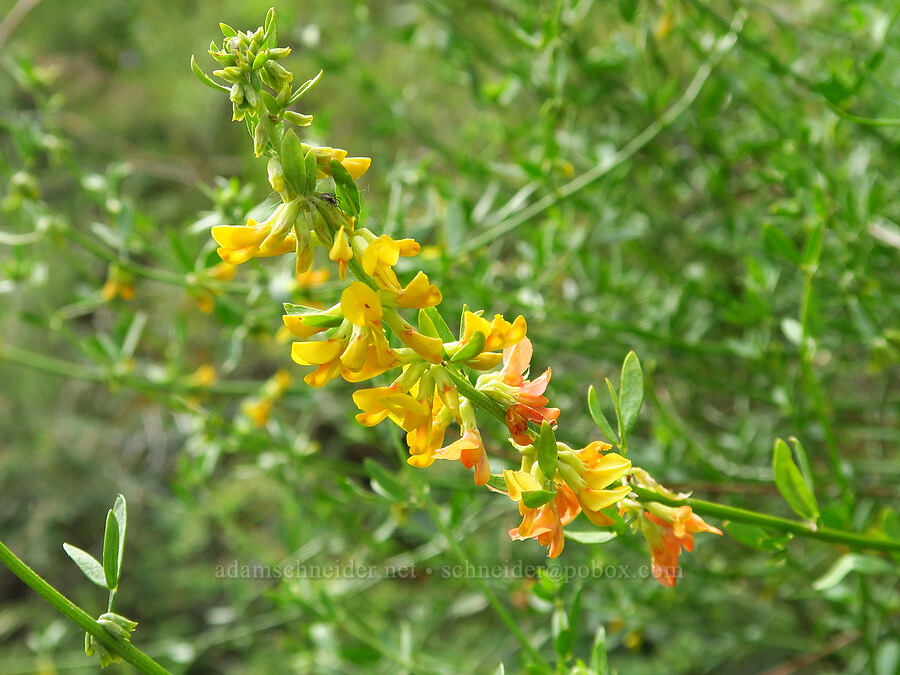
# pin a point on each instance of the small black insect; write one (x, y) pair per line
(329, 197)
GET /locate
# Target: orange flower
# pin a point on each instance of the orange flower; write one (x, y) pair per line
(469, 450)
(667, 531)
(546, 522)
(530, 402)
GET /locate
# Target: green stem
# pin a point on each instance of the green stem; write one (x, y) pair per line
(78, 616)
(799, 528)
(814, 390)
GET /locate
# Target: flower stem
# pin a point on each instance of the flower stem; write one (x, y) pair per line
(799, 528)
(78, 616)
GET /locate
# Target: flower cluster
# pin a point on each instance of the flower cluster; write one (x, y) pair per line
(438, 379)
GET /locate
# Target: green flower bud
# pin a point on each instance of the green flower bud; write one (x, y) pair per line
(279, 72)
(283, 95)
(299, 119)
(120, 620)
(261, 136)
(237, 93)
(114, 629)
(276, 175)
(279, 52)
(232, 73)
(260, 60)
(251, 96)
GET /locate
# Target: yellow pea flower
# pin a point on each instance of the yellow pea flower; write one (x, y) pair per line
(419, 293)
(272, 237)
(341, 253)
(361, 305)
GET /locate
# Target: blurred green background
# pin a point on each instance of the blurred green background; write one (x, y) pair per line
(689, 250)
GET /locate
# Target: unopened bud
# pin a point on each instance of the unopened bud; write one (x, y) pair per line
(276, 175)
(299, 119)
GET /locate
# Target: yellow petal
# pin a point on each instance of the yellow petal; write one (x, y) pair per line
(419, 293)
(518, 482)
(296, 325)
(356, 166)
(608, 468)
(354, 356)
(239, 236)
(381, 251)
(473, 323)
(323, 374)
(360, 305)
(596, 500)
(316, 353)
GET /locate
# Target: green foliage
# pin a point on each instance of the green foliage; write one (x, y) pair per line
(745, 248)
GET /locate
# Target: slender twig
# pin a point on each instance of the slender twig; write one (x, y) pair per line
(78, 616)
(14, 18)
(799, 528)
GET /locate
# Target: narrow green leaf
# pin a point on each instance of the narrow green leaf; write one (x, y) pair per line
(614, 397)
(778, 243)
(345, 188)
(813, 248)
(536, 498)
(590, 536)
(111, 551)
(271, 28)
(548, 455)
(133, 336)
(312, 169)
(206, 79)
(120, 510)
(227, 30)
(599, 663)
(563, 639)
(87, 563)
(598, 416)
(791, 484)
(305, 87)
(631, 391)
(293, 162)
(803, 462)
(852, 562)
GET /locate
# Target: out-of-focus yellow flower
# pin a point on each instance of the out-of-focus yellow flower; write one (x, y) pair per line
(222, 272)
(258, 411)
(311, 278)
(119, 283)
(204, 376)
